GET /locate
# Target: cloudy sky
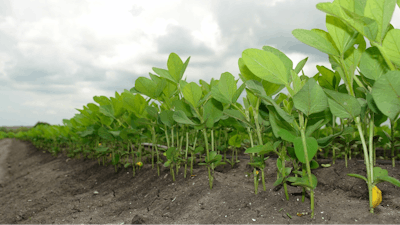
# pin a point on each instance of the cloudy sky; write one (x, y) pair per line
(56, 55)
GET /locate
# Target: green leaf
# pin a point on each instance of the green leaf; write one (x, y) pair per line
(260, 149)
(341, 33)
(227, 86)
(391, 46)
(212, 112)
(296, 81)
(312, 147)
(146, 86)
(286, 135)
(314, 164)
(357, 176)
(277, 123)
(386, 94)
(351, 11)
(381, 11)
(379, 172)
(286, 60)
(328, 79)
(257, 89)
(343, 105)
(237, 115)
(303, 181)
(278, 181)
(166, 117)
(180, 117)
(389, 179)
(235, 141)
(372, 64)
(314, 127)
(266, 65)
(192, 93)
(300, 65)
(175, 65)
(311, 98)
(316, 39)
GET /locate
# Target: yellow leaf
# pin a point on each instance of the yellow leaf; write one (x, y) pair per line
(376, 196)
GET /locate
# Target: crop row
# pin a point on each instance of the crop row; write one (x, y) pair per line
(206, 118)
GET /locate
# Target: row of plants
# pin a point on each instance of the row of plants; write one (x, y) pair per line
(201, 123)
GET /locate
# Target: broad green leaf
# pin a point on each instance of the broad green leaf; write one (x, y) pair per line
(277, 123)
(167, 118)
(161, 83)
(235, 141)
(266, 65)
(175, 66)
(163, 73)
(378, 172)
(257, 89)
(205, 86)
(260, 149)
(216, 94)
(192, 93)
(245, 73)
(343, 105)
(170, 89)
(328, 78)
(104, 134)
(372, 64)
(107, 110)
(286, 61)
(237, 115)
(316, 40)
(353, 55)
(304, 182)
(180, 117)
(314, 127)
(102, 100)
(226, 88)
(312, 148)
(351, 11)
(342, 35)
(183, 106)
(286, 135)
(300, 65)
(212, 112)
(391, 46)
(271, 88)
(313, 164)
(117, 105)
(357, 176)
(311, 98)
(278, 181)
(325, 141)
(381, 11)
(146, 86)
(386, 94)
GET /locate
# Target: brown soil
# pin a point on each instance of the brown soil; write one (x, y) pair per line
(39, 188)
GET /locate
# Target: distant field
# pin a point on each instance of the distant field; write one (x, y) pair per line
(16, 127)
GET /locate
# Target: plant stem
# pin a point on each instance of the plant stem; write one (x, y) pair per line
(210, 178)
(303, 138)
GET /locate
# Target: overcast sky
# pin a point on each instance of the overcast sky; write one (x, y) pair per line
(56, 55)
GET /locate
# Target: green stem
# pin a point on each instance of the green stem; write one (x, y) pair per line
(210, 178)
(392, 141)
(303, 138)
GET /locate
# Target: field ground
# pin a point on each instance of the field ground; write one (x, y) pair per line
(36, 187)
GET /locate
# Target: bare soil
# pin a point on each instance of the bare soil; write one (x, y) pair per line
(39, 188)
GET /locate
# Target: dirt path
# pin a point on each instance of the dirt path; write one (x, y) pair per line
(40, 188)
(4, 149)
